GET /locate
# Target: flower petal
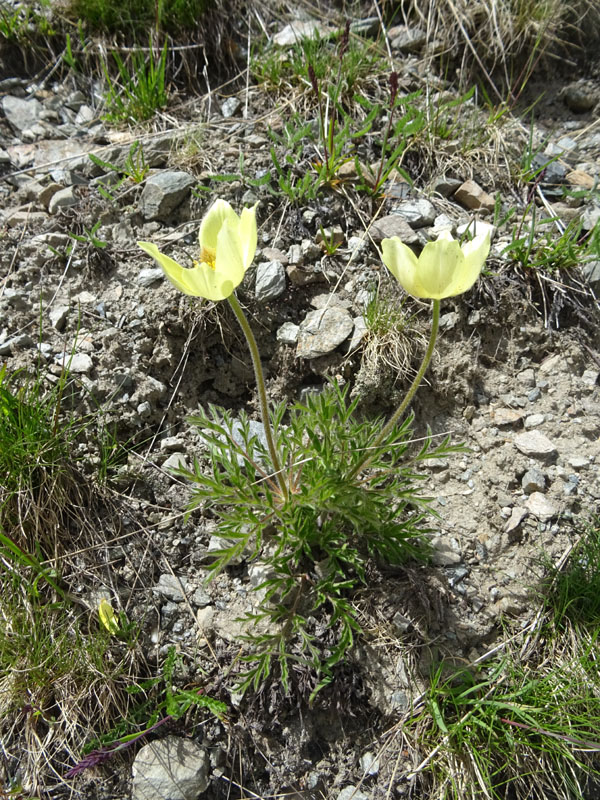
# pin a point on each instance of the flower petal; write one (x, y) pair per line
(213, 221)
(402, 263)
(229, 265)
(475, 253)
(248, 235)
(438, 264)
(178, 275)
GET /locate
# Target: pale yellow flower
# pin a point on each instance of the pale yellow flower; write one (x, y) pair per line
(107, 616)
(445, 267)
(227, 247)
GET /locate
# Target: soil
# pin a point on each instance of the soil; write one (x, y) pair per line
(514, 378)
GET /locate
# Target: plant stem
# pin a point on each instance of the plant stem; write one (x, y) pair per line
(409, 395)
(262, 394)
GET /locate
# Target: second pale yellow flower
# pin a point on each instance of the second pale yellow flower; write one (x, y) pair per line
(445, 267)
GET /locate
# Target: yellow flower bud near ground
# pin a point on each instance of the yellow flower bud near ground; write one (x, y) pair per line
(227, 248)
(445, 267)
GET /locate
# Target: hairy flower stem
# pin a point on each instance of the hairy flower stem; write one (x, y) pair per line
(262, 394)
(409, 395)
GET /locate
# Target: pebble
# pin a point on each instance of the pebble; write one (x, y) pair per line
(352, 793)
(472, 196)
(77, 362)
(171, 587)
(535, 445)
(163, 192)
(170, 768)
(533, 420)
(288, 333)
(270, 281)
(393, 225)
(533, 481)
(418, 213)
(322, 331)
(149, 275)
(541, 507)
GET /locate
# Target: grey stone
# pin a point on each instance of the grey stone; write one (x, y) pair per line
(535, 445)
(201, 598)
(393, 225)
(578, 462)
(407, 38)
(270, 281)
(146, 277)
(352, 793)
(446, 186)
(288, 333)
(171, 444)
(472, 196)
(58, 316)
(533, 420)
(533, 481)
(580, 96)
(230, 106)
(163, 192)
(171, 768)
(21, 114)
(418, 213)
(517, 515)
(358, 334)
(175, 461)
(591, 272)
(322, 331)
(63, 198)
(171, 587)
(76, 362)
(445, 552)
(539, 505)
(301, 29)
(19, 342)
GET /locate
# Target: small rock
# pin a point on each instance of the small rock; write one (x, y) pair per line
(21, 114)
(407, 38)
(503, 417)
(230, 106)
(58, 316)
(590, 377)
(358, 334)
(517, 515)
(146, 277)
(446, 186)
(15, 343)
(418, 213)
(535, 445)
(533, 420)
(445, 553)
(533, 481)
(288, 333)
(580, 96)
(539, 505)
(369, 763)
(170, 768)
(578, 462)
(472, 196)
(393, 225)
(175, 462)
(171, 444)
(322, 331)
(578, 177)
(172, 587)
(77, 362)
(64, 198)
(163, 192)
(352, 793)
(301, 29)
(270, 281)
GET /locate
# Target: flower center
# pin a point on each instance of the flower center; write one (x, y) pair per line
(208, 256)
